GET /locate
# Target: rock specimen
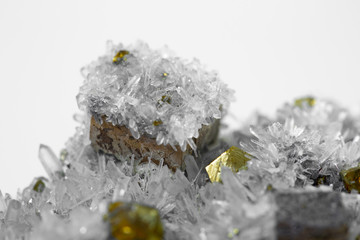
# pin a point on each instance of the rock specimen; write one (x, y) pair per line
(151, 104)
(311, 215)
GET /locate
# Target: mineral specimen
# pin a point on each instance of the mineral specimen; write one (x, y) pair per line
(144, 107)
(161, 99)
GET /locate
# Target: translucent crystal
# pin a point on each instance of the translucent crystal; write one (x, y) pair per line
(50, 162)
(2, 204)
(13, 212)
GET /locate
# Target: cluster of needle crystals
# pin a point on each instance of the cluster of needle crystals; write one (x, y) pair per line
(153, 93)
(294, 176)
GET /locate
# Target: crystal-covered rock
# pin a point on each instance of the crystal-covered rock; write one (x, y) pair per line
(139, 86)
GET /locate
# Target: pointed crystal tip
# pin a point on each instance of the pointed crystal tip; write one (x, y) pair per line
(49, 161)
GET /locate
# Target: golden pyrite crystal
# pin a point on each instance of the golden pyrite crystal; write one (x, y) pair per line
(234, 158)
(120, 56)
(130, 221)
(310, 101)
(351, 179)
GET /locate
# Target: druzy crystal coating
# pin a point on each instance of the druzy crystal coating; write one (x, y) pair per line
(153, 85)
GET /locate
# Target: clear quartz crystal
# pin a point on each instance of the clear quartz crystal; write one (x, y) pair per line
(49, 161)
(13, 212)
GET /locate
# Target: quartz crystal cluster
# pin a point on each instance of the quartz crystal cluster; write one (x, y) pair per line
(153, 93)
(294, 176)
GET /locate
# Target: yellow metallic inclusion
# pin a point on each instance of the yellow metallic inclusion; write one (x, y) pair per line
(120, 56)
(157, 122)
(39, 186)
(166, 98)
(234, 158)
(130, 221)
(310, 101)
(165, 75)
(351, 179)
(233, 233)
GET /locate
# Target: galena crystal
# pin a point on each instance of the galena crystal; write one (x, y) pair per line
(234, 158)
(129, 221)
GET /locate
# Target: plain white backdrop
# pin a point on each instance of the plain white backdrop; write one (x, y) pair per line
(270, 52)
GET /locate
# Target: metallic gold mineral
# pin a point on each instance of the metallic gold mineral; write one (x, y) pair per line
(130, 221)
(351, 179)
(164, 75)
(157, 122)
(234, 158)
(310, 101)
(120, 56)
(166, 98)
(39, 186)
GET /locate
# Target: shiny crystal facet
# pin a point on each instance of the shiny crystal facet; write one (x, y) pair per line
(39, 186)
(310, 101)
(120, 56)
(234, 158)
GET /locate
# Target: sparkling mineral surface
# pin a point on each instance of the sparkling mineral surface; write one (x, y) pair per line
(299, 175)
(234, 158)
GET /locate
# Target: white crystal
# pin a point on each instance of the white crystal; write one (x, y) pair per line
(49, 161)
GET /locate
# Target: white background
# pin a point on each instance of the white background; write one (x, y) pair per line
(268, 51)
